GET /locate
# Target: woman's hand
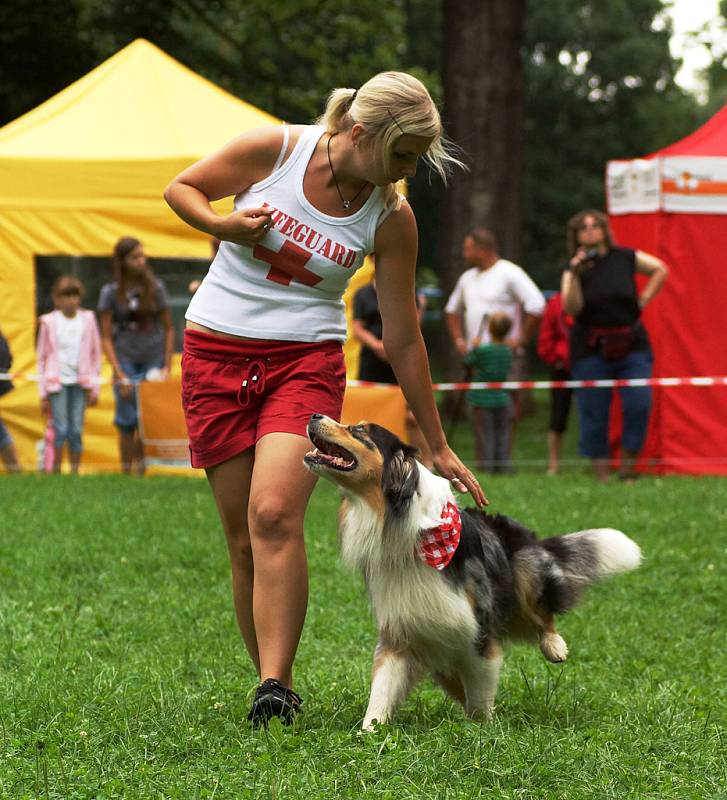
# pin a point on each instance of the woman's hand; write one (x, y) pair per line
(246, 227)
(44, 406)
(580, 262)
(449, 466)
(125, 385)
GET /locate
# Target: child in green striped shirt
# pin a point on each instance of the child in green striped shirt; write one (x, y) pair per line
(491, 408)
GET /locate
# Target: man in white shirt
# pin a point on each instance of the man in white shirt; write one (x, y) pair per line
(491, 284)
(494, 284)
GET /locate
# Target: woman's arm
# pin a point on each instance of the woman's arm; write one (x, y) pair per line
(570, 285)
(658, 272)
(107, 342)
(244, 161)
(570, 289)
(396, 253)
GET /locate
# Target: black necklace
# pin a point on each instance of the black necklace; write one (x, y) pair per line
(346, 203)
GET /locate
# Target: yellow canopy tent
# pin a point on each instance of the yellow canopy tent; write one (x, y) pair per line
(87, 167)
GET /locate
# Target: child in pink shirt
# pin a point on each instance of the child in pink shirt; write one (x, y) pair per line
(69, 363)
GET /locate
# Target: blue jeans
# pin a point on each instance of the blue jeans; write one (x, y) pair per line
(594, 405)
(67, 410)
(126, 417)
(492, 437)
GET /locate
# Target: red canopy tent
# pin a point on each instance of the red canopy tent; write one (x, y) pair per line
(673, 203)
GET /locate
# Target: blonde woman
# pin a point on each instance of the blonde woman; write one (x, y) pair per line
(264, 332)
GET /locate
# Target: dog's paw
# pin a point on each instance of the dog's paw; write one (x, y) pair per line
(553, 647)
(481, 713)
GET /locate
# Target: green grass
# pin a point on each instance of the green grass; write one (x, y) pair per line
(122, 673)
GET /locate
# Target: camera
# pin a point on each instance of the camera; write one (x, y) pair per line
(585, 261)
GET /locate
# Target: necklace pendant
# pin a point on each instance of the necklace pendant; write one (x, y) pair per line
(346, 204)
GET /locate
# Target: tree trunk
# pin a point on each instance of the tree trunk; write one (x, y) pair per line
(483, 114)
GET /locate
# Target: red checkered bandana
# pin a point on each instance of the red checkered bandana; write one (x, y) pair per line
(437, 545)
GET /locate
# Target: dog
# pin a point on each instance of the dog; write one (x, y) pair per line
(448, 584)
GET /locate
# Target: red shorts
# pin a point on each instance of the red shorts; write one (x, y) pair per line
(236, 391)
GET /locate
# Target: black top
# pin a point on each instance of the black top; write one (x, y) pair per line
(366, 311)
(610, 300)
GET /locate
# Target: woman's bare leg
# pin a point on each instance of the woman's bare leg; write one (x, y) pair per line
(57, 458)
(279, 494)
(230, 483)
(75, 459)
(126, 451)
(138, 454)
(555, 441)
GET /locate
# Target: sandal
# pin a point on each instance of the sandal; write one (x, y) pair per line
(272, 699)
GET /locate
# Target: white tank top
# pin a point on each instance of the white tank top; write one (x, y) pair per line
(289, 285)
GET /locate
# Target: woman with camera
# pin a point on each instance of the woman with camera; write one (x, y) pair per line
(608, 339)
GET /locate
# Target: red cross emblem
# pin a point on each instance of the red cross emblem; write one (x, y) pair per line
(288, 263)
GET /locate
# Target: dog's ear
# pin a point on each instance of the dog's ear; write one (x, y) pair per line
(400, 478)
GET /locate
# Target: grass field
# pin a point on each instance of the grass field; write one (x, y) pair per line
(122, 673)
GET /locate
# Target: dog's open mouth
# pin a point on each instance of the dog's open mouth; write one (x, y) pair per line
(329, 455)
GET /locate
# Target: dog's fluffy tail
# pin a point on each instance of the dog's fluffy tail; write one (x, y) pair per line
(611, 550)
(557, 570)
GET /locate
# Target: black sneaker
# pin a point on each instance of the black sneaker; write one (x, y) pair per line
(272, 699)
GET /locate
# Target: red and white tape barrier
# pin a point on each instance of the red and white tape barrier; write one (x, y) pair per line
(707, 380)
(718, 380)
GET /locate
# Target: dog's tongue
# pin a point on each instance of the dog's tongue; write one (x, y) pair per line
(336, 461)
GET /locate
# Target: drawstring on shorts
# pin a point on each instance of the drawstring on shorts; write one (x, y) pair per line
(254, 382)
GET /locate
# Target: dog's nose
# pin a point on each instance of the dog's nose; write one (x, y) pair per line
(315, 417)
